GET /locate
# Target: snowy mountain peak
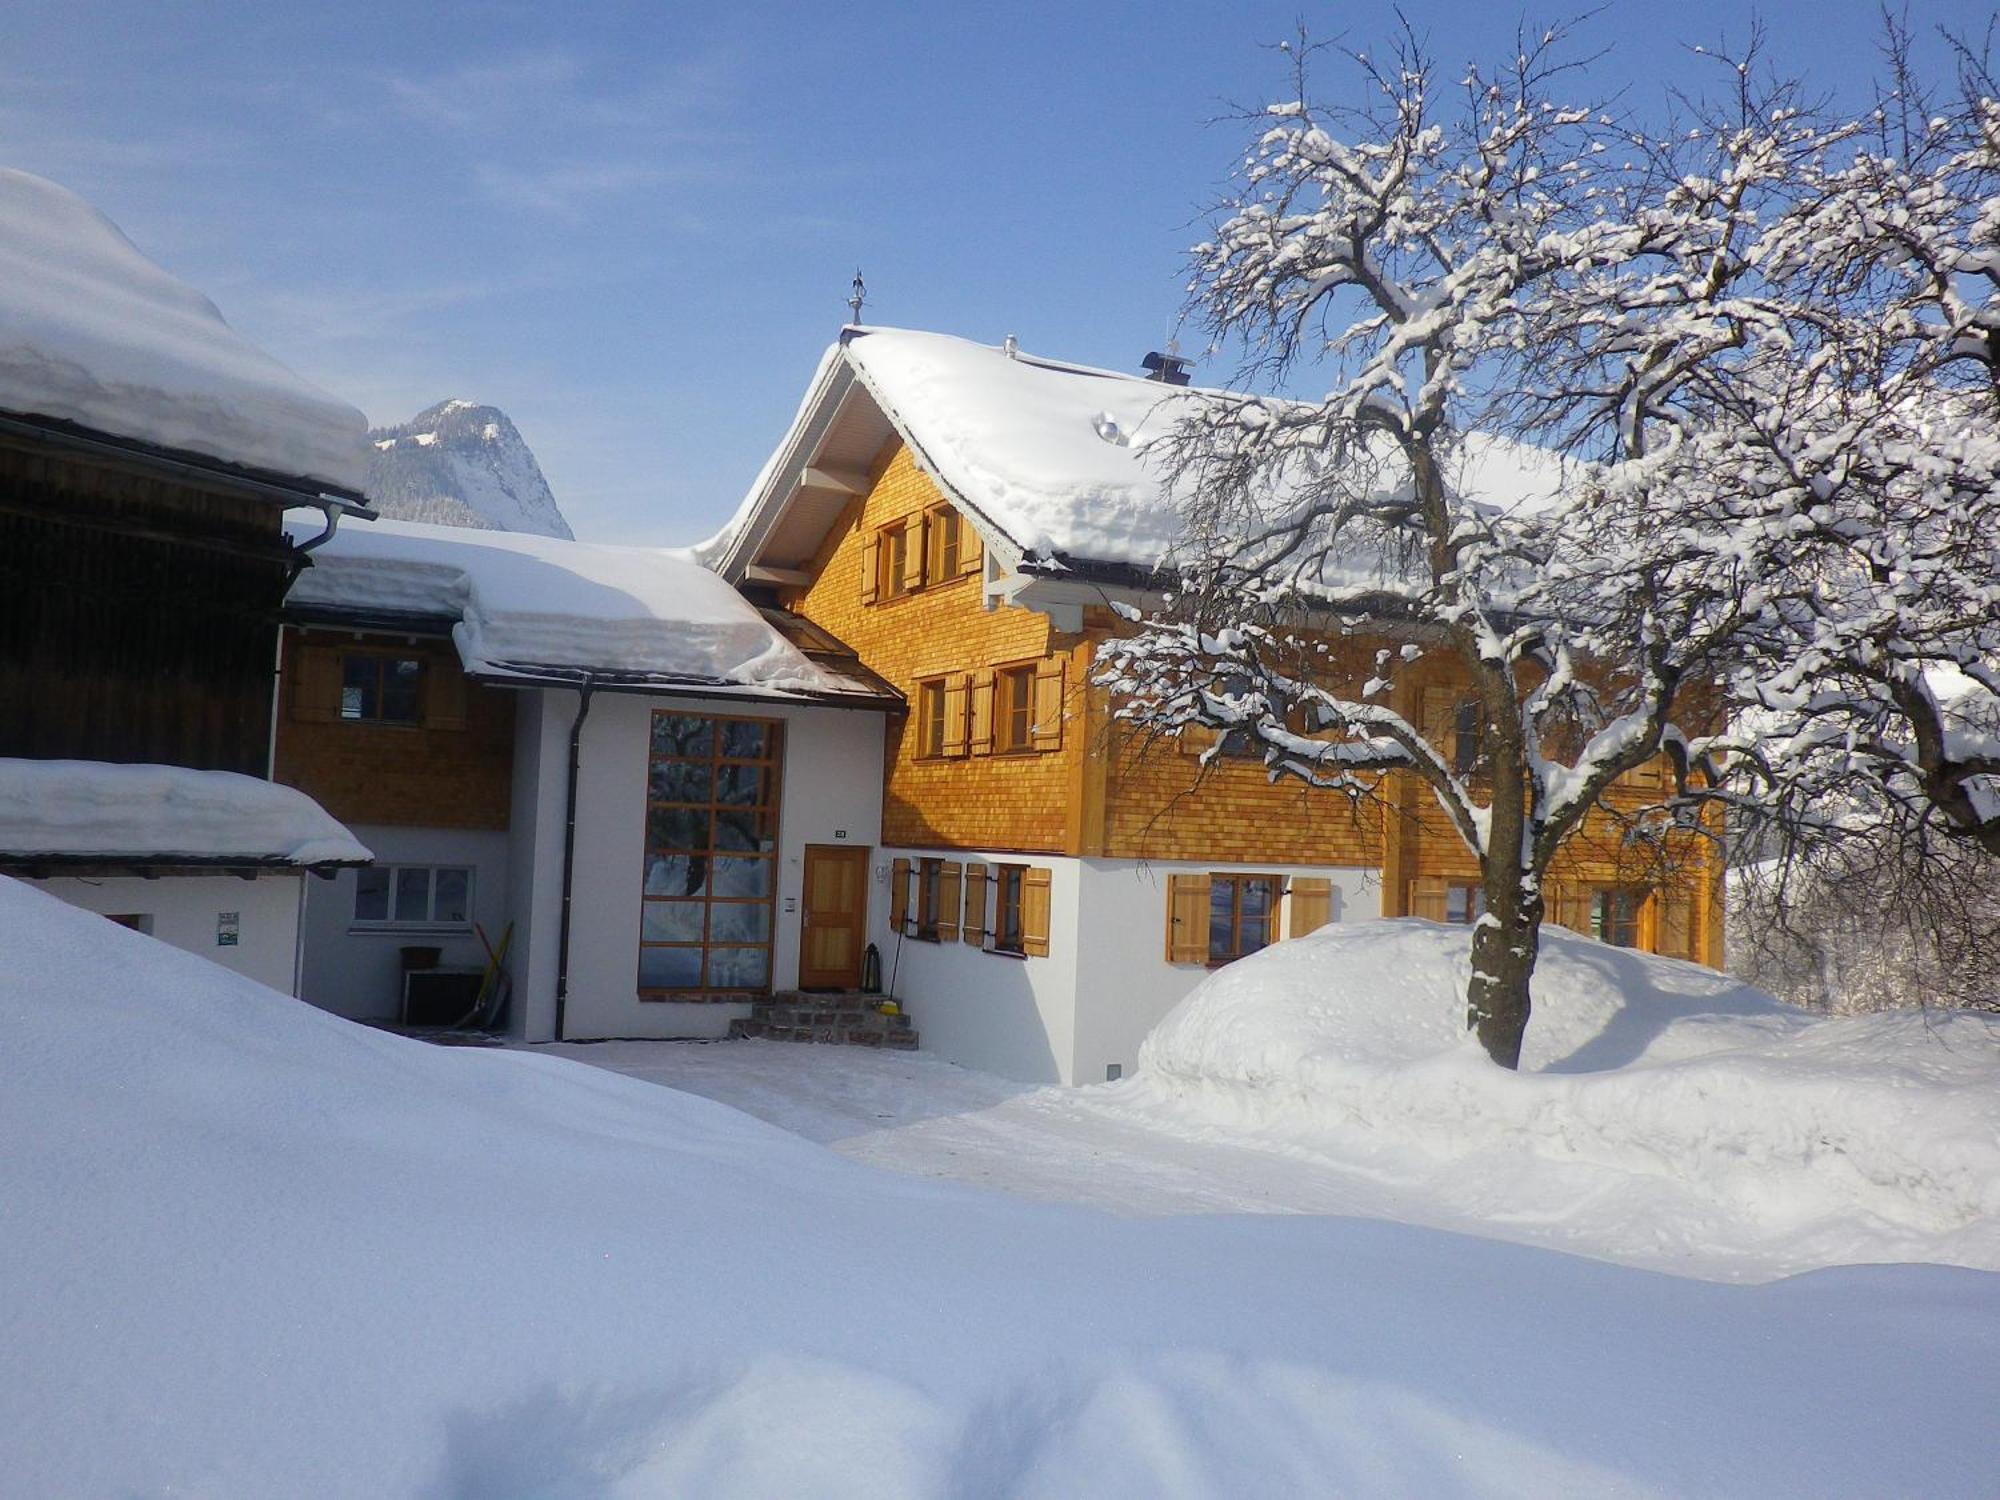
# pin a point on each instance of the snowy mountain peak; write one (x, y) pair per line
(462, 464)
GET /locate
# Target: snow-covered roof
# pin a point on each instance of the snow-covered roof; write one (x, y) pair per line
(92, 332)
(1061, 460)
(525, 606)
(87, 810)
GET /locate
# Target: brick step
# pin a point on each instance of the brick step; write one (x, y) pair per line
(852, 1027)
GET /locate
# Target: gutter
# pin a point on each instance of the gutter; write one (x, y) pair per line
(584, 690)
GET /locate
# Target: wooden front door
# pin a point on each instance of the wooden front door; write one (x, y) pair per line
(834, 918)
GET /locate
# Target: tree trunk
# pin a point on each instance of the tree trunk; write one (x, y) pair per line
(1504, 949)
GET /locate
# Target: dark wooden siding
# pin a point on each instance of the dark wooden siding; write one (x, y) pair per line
(138, 616)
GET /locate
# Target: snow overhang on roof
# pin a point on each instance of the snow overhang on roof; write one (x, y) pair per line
(99, 347)
(68, 814)
(1059, 465)
(534, 610)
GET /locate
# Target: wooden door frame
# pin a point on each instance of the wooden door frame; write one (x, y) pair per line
(859, 853)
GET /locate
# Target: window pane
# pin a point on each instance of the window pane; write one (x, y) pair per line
(451, 901)
(745, 740)
(358, 679)
(671, 921)
(676, 874)
(400, 679)
(683, 781)
(677, 828)
(738, 968)
(742, 877)
(371, 895)
(1259, 896)
(742, 786)
(413, 895)
(683, 735)
(1221, 913)
(669, 968)
(1254, 933)
(739, 922)
(743, 830)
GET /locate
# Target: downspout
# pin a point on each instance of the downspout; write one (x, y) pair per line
(569, 848)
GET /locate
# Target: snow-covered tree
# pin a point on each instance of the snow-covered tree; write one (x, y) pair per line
(1761, 506)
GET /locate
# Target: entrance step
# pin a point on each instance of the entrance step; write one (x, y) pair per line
(848, 1018)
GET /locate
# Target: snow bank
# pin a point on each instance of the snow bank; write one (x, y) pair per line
(92, 332)
(83, 808)
(1646, 1065)
(526, 602)
(1062, 458)
(251, 1249)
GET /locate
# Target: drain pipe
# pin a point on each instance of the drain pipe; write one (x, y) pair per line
(569, 848)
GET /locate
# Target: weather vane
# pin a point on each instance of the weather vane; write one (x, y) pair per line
(859, 295)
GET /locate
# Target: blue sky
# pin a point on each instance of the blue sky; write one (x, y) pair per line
(632, 226)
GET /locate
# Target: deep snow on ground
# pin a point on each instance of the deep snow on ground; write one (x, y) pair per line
(251, 1249)
(1668, 1117)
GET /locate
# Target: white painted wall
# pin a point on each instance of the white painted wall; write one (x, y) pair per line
(1125, 986)
(534, 856)
(991, 1011)
(830, 792)
(357, 972)
(185, 910)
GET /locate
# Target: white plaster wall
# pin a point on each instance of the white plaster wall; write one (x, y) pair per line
(534, 856)
(1125, 986)
(357, 972)
(830, 792)
(991, 1011)
(185, 910)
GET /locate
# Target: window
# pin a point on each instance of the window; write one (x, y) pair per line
(894, 555)
(1241, 913)
(1468, 740)
(711, 850)
(1464, 902)
(1009, 883)
(930, 883)
(413, 896)
(1614, 915)
(1014, 709)
(944, 531)
(381, 689)
(930, 718)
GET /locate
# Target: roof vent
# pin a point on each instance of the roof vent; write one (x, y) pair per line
(1168, 369)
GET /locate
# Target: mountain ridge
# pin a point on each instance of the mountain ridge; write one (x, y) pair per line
(460, 463)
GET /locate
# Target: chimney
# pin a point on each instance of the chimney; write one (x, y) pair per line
(1168, 369)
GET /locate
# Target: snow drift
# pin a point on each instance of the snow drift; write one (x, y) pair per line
(1647, 1065)
(92, 332)
(252, 1249)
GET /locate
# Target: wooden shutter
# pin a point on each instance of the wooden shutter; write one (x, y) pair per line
(1049, 703)
(974, 931)
(950, 874)
(971, 552)
(916, 546)
(899, 895)
(871, 565)
(316, 693)
(982, 711)
(1427, 897)
(1676, 928)
(1187, 919)
(444, 694)
(957, 693)
(1312, 905)
(1035, 913)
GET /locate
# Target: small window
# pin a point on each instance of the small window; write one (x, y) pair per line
(893, 558)
(1468, 740)
(1008, 882)
(1464, 902)
(381, 689)
(413, 896)
(943, 563)
(930, 718)
(1614, 915)
(1242, 912)
(1014, 709)
(930, 888)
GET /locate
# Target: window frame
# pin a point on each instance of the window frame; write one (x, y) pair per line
(927, 872)
(931, 735)
(1468, 737)
(1602, 912)
(1007, 719)
(1004, 878)
(764, 815)
(946, 529)
(380, 663)
(1235, 881)
(892, 550)
(390, 922)
(1475, 901)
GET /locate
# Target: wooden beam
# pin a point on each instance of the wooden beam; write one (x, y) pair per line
(785, 577)
(847, 481)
